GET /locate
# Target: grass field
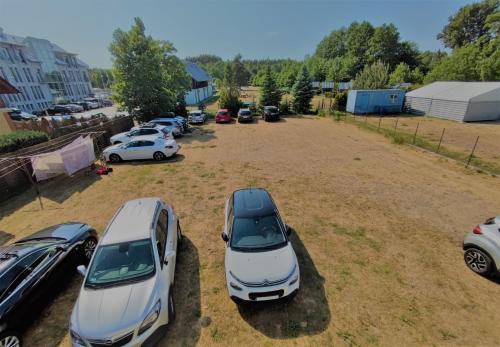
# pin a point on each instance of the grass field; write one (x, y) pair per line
(378, 232)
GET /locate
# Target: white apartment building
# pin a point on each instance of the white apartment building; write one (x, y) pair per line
(41, 71)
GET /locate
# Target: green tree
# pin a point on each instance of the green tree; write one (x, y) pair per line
(462, 65)
(384, 45)
(334, 45)
(101, 78)
(404, 74)
(148, 76)
(241, 74)
(229, 91)
(270, 95)
(427, 60)
(470, 23)
(302, 91)
(375, 76)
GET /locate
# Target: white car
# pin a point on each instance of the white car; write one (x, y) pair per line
(75, 107)
(159, 131)
(197, 117)
(260, 261)
(126, 298)
(482, 247)
(141, 147)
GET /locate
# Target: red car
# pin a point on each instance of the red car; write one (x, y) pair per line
(223, 116)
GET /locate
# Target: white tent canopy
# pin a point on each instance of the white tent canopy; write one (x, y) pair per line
(462, 101)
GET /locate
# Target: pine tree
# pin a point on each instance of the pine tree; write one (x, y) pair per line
(270, 95)
(302, 92)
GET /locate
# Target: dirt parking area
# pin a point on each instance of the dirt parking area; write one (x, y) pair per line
(377, 229)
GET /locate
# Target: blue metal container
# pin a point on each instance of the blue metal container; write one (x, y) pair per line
(377, 101)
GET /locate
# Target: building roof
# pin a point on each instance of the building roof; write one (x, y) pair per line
(6, 87)
(196, 72)
(11, 39)
(459, 91)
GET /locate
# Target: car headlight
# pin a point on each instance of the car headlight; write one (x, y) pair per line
(151, 318)
(75, 338)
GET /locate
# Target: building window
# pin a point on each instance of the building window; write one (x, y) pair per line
(18, 75)
(393, 98)
(39, 75)
(2, 73)
(13, 74)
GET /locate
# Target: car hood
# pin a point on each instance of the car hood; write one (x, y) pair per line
(259, 266)
(120, 135)
(107, 312)
(112, 148)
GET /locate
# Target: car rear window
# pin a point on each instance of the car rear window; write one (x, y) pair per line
(245, 113)
(222, 113)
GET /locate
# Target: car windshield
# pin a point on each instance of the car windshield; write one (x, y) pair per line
(257, 233)
(272, 109)
(121, 263)
(222, 113)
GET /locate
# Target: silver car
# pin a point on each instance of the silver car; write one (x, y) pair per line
(482, 247)
(126, 298)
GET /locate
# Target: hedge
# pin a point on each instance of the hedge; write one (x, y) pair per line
(21, 139)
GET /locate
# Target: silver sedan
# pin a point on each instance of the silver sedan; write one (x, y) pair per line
(482, 247)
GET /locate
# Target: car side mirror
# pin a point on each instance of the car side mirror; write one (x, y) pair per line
(224, 236)
(288, 229)
(82, 270)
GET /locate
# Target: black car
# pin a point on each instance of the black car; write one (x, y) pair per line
(57, 109)
(34, 268)
(270, 113)
(245, 115)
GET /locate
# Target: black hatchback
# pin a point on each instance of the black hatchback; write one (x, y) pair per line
(32, 269)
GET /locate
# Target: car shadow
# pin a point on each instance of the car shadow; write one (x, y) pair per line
(185, 330)
(50, 327)
(142, 162)
(199, 134)
(307, 314)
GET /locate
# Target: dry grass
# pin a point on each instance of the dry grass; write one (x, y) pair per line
(378, 231)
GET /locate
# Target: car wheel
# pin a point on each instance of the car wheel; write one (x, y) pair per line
(89, 247)
(171, 306)
(158, 156)
(114, 158)
(478, 261)
(10, 339)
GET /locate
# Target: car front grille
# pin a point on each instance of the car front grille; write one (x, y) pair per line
(254, 296)
(121, 341)
(266, 283)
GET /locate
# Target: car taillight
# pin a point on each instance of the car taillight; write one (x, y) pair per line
(477, 230)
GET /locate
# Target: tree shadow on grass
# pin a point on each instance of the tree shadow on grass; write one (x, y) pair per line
(307, 314)
(185, 330)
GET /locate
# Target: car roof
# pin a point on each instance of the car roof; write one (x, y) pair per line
(253, 202)
(270, 106)
(133, 221)
(245, 109)
(162, 120)
(196, 111)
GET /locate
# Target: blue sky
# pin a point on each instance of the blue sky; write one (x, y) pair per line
(254, 28)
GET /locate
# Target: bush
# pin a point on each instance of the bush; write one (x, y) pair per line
(21, 139)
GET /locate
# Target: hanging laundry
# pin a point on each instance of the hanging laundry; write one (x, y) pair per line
(67, 160)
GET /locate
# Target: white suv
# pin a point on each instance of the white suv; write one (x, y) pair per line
(260, 261)
(159, 131)
(126, 297)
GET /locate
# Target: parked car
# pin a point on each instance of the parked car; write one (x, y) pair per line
(93, 103)
(34, 268)
(260, 262)
(197, 117)
(18, 115)
(245, 115)
(142, 147)
(106, 102)
(174, 125)
(147, 129)
(126, 298)
(75, 107)
(56, 109)
(270, 113)
(223, 116)
(482, 247)
(84, 104)
(170, 115)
